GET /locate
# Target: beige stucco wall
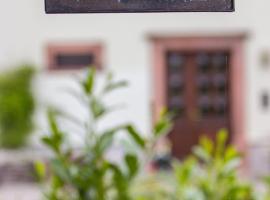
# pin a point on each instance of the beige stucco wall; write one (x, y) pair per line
(25, 29)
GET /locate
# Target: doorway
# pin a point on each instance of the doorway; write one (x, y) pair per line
(200, 80)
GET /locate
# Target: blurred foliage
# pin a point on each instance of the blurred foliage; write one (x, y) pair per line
(159, 185)
(87, 174)
(211, 173)
(266, 182)
(16, 106)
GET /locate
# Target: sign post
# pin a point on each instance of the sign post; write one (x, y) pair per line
(134, 6)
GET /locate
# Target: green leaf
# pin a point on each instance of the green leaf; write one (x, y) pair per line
(60, 170)
(131, 161)
(109, 77)
(52, 121)
(201, 153)
(207, 145)
(135, 136)
(231, 153)
(48, 141)
(97, 108)
(55, 139)
(105, 141)
(222, 137)
(232, 165)
(184, 171)
(88, 84)
(120, 182)
(266, 180)
(40, 170)
(163, 125)
(221, 140)
(56, 184)
(113, 86)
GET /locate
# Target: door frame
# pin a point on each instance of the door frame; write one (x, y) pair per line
(232, 43)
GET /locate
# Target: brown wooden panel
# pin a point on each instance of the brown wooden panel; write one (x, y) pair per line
(109, 6)
(198, 92)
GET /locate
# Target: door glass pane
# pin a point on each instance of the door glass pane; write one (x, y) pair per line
(212, 83)
(210, 86)
(176, 82)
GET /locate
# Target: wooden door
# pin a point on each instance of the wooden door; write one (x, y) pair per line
(200, 80)
(198, 94)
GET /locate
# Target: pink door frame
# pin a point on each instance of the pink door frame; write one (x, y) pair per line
(232, 43)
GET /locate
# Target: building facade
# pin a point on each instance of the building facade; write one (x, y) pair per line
(130, 46)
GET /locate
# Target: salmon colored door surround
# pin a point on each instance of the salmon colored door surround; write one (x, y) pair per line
(200, 79)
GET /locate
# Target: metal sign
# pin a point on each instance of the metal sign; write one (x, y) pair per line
(129, 6)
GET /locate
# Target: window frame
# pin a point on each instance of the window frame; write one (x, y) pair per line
(54, 49)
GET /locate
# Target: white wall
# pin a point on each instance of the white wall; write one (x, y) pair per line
(25, 29)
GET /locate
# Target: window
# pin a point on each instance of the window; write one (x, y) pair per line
(73, 56)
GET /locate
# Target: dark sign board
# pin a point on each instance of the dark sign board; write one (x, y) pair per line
(127, 6)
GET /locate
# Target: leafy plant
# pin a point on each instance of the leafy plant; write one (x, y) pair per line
(16, 107)
(154, 186)
(266, 183)
(211, 173)
(87, 173)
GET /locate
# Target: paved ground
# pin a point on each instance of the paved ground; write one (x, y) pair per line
(20, 192)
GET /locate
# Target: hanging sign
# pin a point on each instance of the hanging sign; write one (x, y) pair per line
(130, 6)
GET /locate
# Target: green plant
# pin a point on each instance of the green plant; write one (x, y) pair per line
(87, 174)
(16, 106)
(154, 186)
(266, 183)
(211, 173)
